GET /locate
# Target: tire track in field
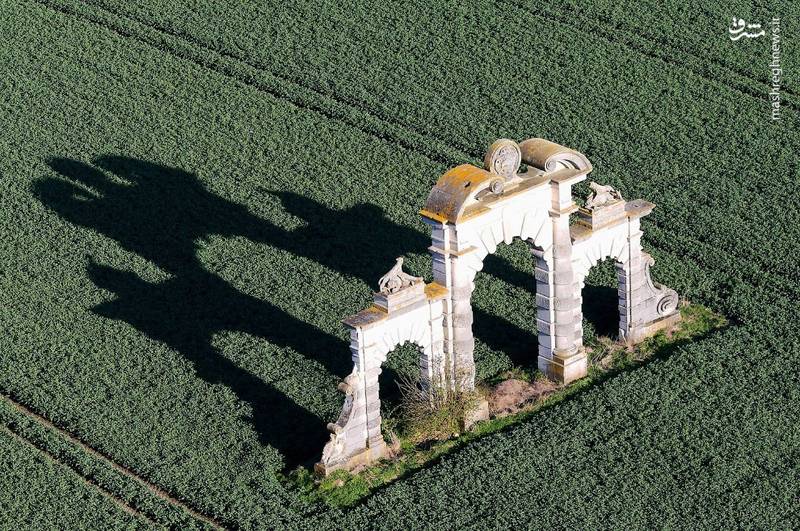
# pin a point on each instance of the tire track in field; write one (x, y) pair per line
(121, 469)
(119, 502)
(441, 156)
(611, 37)
(447, 152)
(361, 105)
(262, 67)
(223, 63)
(612, 27)
(607, 30)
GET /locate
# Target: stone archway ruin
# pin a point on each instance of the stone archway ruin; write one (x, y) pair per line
(404, 310)
(471, 211)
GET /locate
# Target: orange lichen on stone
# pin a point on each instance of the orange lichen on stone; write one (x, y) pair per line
(366, 318)
(434, 290)
(454, 191)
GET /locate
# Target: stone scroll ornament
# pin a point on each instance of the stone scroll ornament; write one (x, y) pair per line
(503, 159)
(334, 450)
(666, 298)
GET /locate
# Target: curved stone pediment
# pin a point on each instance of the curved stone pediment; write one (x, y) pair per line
(549, 156)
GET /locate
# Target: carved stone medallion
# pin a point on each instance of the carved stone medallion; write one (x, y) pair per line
(503, 158)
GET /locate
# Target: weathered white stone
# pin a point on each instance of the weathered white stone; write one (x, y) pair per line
(544, 328)
(413, 313)
(471, 211)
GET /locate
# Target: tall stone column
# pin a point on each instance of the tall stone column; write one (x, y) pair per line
(451, 271)
(462, 339)
(624, 282)
(569, 358)
(631, 276)
(432, 362)
(567, 361)
(372, 404)
(545, 320)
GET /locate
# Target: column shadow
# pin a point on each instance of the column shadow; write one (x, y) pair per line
(359, 241)
(520, 345)
(502, 269)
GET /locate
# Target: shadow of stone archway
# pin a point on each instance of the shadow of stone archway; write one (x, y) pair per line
(601, 311)
(359, 241)
(160, 213)
(601, 301)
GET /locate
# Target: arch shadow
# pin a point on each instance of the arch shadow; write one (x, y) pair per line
(161, 213)
(601, 301)
(359, 241)
(601, 310)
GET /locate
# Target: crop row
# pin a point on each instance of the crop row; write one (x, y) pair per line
(90, 469)
(182, 232)
(739, 195)
(670, 30)
(36, 492)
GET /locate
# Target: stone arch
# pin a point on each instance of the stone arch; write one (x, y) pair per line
(417, 332)
(531, 225)
(471, 211)
(411, 314)
(611, 244)
(470, 215)
(608, 242)
(613, 230)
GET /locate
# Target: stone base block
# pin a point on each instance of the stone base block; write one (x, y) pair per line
(478, 413)
(641, 332)
(364, 458)
(406, 296)
(565, 369)
(602, 215)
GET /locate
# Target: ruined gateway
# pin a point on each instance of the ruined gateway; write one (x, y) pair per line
(470, 211)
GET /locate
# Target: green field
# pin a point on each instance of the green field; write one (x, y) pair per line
(193, 194)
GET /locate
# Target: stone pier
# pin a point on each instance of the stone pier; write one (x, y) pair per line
(413, 312)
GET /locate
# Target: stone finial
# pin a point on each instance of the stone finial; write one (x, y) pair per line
(396, 279)
(601, 195)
